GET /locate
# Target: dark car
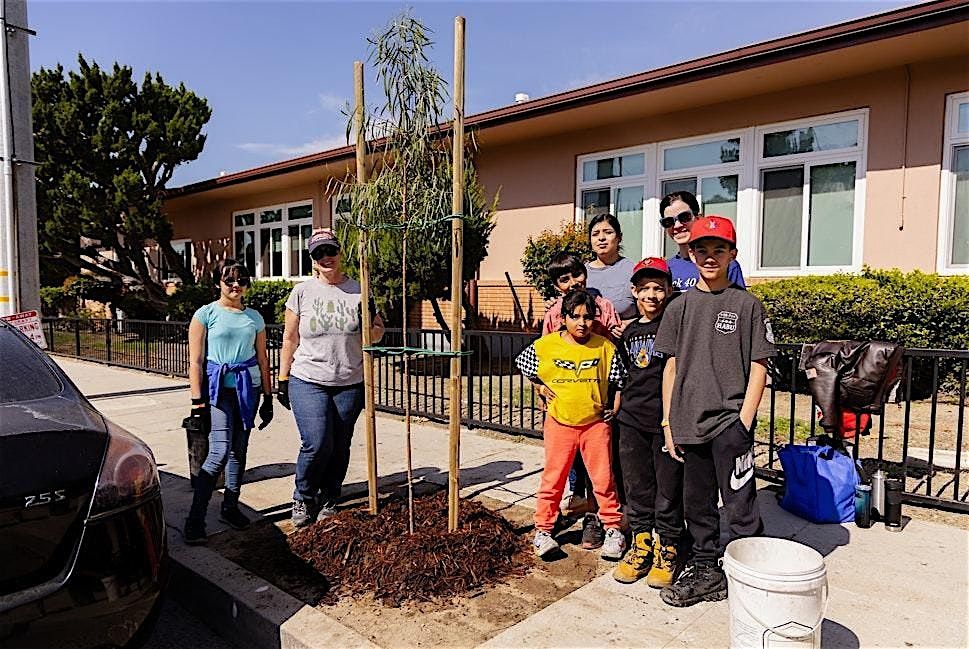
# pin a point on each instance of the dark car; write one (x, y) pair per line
(82, 538)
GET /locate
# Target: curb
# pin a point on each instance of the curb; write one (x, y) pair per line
(247, 610)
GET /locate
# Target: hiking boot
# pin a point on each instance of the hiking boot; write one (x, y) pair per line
(304, 513)
(664, 566)
(637, 562)
(194, 532)
(613, 545)
(700, 581)
(544, 543)
(327, 509)
(234, 518)
(592, 533)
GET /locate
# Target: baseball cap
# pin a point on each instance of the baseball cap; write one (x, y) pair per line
(717, 227)
(652, 265)
(324, 237)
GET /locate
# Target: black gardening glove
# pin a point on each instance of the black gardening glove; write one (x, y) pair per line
(266, 411)
(282, 393)
(198, 418)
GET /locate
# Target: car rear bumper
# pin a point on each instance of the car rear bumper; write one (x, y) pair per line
(115, 582)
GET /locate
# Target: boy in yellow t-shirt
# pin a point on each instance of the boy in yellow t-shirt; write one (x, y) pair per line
(573, 371)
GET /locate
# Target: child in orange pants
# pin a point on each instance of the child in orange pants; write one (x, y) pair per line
(573, 371)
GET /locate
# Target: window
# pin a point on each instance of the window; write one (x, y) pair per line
(811, 179)
(183, 248)
(954, 188)
(709, 168)
(615, 183)
(263, 236)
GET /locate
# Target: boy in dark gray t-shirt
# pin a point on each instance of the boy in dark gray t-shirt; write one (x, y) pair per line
(718, 340)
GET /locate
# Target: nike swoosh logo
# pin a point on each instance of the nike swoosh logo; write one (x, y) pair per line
(736, 482)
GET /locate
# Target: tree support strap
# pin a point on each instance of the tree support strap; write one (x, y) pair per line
(410, 225)
(411, 351)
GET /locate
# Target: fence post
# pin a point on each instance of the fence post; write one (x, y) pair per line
(144, 339)
(109, 324)
(77, 337)
(50, 328)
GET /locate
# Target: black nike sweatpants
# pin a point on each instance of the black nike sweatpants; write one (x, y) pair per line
(654, 484)
(725, 464)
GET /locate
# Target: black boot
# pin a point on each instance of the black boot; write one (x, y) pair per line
(230, 513)
(700, 581)
(194, 530)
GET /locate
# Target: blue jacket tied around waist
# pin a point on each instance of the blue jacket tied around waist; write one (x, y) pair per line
(244, 388)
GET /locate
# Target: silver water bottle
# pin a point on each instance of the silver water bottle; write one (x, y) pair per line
(878, 494)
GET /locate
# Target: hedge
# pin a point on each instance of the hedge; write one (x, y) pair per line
(267, 296)
(540, 250)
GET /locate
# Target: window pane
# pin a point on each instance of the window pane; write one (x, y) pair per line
(595, 202)
(633, 165)
(960, 220)
(605, 168)
(780, 244)
(271, 216)
(277, 252)
(964, 118)
(306, 264)
(301, 212)
(813, 138)
(629, 211)
(832, 214)
(669, 186)
(264, 251)
(245, 219)
(719, 196)
(701, 155)
(245, 250)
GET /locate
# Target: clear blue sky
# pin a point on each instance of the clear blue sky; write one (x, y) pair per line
(276, 74)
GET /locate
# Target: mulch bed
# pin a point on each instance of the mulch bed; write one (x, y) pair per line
(361, 554)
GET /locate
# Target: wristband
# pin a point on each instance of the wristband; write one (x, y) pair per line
(283, 377)
(664, 424)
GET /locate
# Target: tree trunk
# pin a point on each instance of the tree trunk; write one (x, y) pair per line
(439, 318)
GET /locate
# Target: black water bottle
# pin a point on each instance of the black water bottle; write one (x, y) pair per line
(893, 504)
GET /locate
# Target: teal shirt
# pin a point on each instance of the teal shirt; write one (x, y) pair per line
(231, 337)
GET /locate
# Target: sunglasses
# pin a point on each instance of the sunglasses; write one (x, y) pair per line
(682, 217)
(325, 251)
(240, 281)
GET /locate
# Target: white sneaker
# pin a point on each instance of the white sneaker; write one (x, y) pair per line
(614, 545)
(544, 543)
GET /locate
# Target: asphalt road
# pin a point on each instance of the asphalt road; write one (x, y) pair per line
(179, 629)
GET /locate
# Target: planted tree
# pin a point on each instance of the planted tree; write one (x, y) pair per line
(106, 148)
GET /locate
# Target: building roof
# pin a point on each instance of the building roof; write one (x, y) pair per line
(885, 25)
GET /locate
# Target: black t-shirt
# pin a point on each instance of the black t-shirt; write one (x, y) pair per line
(715, 336)
(642, 396)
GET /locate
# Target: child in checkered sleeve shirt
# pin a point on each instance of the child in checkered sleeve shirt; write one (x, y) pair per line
(578, 374)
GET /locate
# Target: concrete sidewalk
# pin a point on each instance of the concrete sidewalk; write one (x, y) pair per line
(886, 590)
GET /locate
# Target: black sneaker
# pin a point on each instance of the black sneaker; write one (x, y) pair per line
(592, 533)
(700, 581)
(194, 532)
(234, 518)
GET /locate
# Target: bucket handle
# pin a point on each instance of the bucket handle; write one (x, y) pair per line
(774, 629)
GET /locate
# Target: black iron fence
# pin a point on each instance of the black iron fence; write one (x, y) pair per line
(919, 439)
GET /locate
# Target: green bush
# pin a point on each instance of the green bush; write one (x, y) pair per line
(264, 295)
(56, 300)
(185, 301)
(540, 250)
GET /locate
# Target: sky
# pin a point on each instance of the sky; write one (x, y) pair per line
(276, 74)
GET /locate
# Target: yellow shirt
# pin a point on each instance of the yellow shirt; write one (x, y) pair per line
(579, 375)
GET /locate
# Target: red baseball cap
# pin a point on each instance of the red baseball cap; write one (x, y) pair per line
(655, 265)
(717, 227)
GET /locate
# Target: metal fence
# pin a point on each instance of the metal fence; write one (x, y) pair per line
(919, 439)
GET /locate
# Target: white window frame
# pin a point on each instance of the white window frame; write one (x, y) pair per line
(336, 216)
(168, 275)
(740, 168)
(286, 270)
(615, 184)
(947, 186)
(857, 154)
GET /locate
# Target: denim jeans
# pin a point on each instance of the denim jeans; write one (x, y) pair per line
(325, 416)
(228, 441)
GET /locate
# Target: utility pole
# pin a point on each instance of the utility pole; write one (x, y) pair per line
(19, 266)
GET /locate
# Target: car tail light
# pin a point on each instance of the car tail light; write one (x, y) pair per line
(128, 474)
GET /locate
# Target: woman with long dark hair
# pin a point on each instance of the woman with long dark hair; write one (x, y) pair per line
(609, 272)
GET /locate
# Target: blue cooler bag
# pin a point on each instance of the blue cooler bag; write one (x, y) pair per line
(820, 483)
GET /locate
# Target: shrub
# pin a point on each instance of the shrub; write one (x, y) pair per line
(56, 301)
(187, 299)
(265, 294)
(540, 250)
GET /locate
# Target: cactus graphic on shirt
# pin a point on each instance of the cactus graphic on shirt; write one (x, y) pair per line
(332, 316)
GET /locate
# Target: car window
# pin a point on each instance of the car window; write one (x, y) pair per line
(23, 373)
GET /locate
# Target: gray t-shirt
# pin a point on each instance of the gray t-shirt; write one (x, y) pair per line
(329, 351)
(615, 285)
(715, 336)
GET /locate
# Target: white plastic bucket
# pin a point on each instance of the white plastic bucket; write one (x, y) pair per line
(777, 592)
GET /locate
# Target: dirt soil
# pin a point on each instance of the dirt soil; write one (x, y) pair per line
(456, 621)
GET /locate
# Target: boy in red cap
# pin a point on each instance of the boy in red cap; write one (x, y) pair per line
(653, 480)
(717, 340)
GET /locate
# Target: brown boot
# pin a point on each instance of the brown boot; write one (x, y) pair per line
(664, 566)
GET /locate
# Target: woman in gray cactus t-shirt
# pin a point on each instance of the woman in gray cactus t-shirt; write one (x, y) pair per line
(321, 376)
